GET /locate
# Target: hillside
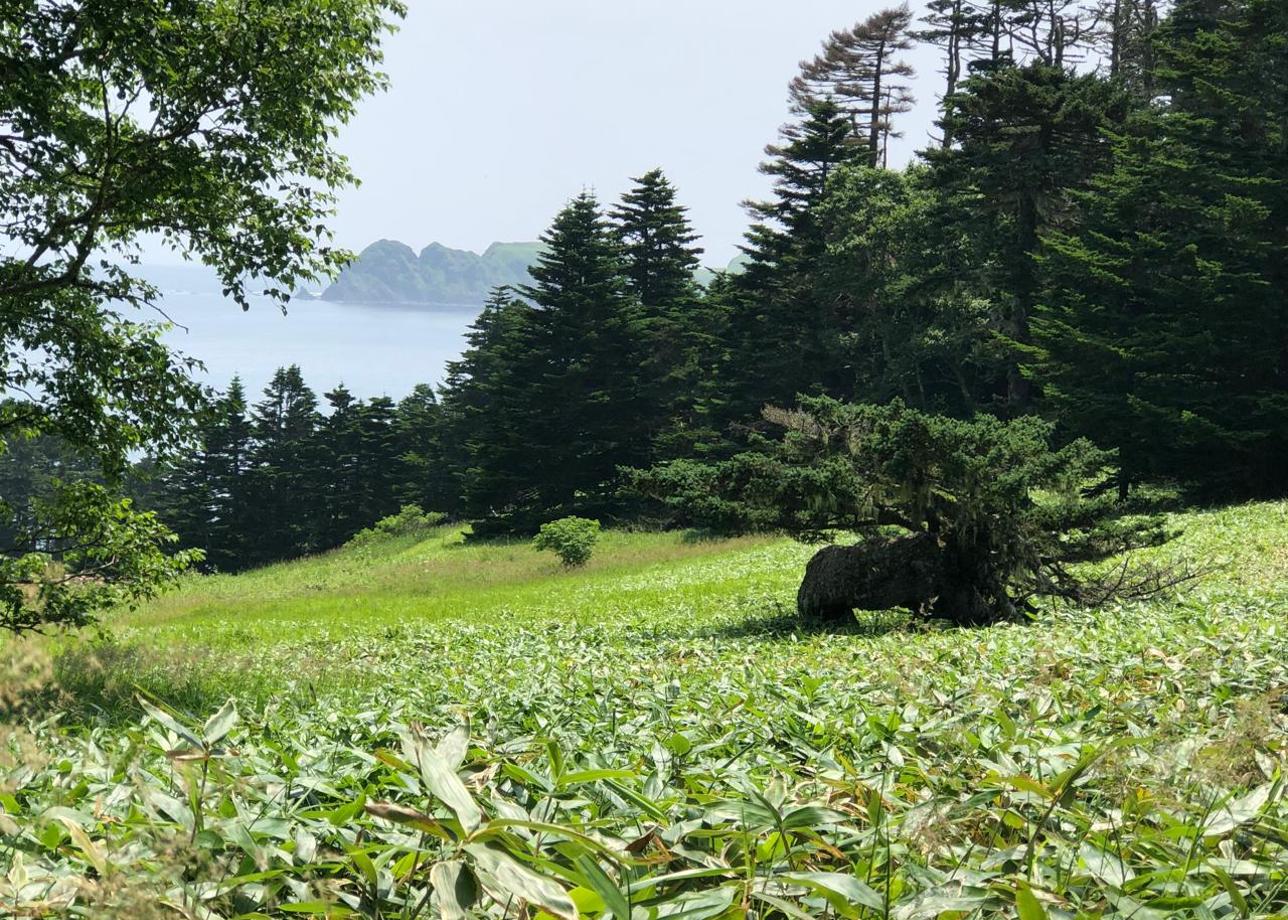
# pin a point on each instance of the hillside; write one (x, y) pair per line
(650, 735)
(392, 272)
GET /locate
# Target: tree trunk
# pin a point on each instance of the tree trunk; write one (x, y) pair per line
(870, 576)
(917, 573)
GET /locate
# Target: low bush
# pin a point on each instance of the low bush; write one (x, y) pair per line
(572, 539)
(411, 520)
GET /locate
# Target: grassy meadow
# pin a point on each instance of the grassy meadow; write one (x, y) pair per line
(424, 728)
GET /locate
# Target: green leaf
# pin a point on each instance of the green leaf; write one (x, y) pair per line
(364, 864)
(453, 746)
(834, 884)
(454, 888)
(598, 880)
(502, 875)
(168, 721)
(441, 780)
(93, 853)
(1028, 906)
(702, 906)
(220, 724)
(1238, 812)
(317, 909)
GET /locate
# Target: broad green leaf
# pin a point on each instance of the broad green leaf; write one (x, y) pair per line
(701, 906)
(455, 889)
(92, 851)
(441, 780)
(598, 880)
(835, 884)
(1238, 812)
(220, 724)
(1028, 906)
(455, 745)
(502, 875)
(168, 721)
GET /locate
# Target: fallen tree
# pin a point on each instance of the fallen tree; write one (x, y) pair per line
(969, 521)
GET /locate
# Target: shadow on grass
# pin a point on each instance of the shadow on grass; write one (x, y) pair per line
(777, 622)
(98, 681)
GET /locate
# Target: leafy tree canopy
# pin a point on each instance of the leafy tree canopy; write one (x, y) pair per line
(206, 125)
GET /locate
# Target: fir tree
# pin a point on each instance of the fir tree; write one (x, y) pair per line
(489, 410)
(658, 243)
(286, 484)
(1027, 138)
(340, 499)
(781, 334)
(1165, 328)
(204, 497)
(588, 332)
(425, 454)
(661, 257)
(909, 327)
(859, 71)
(954, 26)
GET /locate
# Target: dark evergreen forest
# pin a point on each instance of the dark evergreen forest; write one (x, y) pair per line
(1098, 237)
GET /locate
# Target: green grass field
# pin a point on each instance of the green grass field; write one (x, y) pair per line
(651, 736)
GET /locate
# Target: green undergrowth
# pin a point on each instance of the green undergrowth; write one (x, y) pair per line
(427, 728)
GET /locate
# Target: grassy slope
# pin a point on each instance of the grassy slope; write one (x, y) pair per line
(671, 662)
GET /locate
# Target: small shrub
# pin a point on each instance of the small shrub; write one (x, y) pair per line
(572, 539)
(411, 520)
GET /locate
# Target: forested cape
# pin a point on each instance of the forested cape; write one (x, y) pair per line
(1098, 237)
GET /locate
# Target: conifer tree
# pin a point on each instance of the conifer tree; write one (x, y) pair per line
(203, 497)
(230, 446)
(658, 242)
(661, 257)
(781, 334)
(285, 484)
(588, 334)
(379, 452)
(1026, 139)
(955, 26)
(489, 410)
(909, 326)
(1165, 328)
(860, 72)
(426, 477)
(340, 498)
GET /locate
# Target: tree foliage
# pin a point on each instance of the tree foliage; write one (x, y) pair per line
(205, 125)
(1165, 328)
(1001, 514)
(572, 539)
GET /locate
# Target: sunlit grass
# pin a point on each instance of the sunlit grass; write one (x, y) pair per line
(1117, 763)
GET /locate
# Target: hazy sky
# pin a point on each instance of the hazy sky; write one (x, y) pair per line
(501, 110)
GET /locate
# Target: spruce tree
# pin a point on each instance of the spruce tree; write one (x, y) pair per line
(589, 405)
(661, 257)
(203, 497)
(285, 481)
(489, 410)
(380, 466)
(781, 334)
(229, 446)
(909, 326)
(1027, 138)
(956, 27)
(859, 71)
(425, 473)
(658, 243)
(1165, 328)
(340, 499)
